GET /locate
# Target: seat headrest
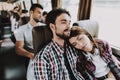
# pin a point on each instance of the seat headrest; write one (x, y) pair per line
(90, 25)
(41, 36)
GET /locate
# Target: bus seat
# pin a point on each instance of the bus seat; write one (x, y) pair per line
(90, 25)
(41, 36)
(12, 66)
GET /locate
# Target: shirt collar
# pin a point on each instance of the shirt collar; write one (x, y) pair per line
(96, 52)
(59, 49)
(29, 25)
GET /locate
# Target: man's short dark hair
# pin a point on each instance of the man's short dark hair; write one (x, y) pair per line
(45, 13)
(52, 15)
(34, 6)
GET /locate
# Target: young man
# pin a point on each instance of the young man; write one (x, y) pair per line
(54, 62)
(24, 37)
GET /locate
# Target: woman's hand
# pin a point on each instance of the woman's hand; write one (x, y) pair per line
(117, 62)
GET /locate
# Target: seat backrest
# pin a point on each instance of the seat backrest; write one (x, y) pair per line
(90, 25)
(41, 36)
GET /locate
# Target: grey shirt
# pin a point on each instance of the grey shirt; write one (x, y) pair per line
(24, 33)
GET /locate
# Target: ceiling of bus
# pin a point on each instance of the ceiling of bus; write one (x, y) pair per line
(9, 1)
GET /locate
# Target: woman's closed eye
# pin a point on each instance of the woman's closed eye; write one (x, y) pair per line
(74, 44)
(79, 38)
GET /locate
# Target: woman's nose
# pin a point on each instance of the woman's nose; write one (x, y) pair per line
(79, 44)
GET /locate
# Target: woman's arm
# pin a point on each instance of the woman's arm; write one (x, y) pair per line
(117, 62)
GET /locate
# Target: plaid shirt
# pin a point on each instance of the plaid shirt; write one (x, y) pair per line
(49, 63)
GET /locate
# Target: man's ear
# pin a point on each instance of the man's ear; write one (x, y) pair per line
(52, 26)
(31, 12)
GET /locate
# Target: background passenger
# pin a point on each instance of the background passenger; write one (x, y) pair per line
(24, 17)
(24, 42)
(14, 19)
(43, 19)
(96, 57)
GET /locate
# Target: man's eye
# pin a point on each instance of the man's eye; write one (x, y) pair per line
(63, 22)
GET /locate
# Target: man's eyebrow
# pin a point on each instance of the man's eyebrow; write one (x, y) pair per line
(63, 20)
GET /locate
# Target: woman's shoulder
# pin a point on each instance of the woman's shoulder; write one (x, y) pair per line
(100, 41)
(104, 44)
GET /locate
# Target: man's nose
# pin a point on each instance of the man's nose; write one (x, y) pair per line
(68, 24)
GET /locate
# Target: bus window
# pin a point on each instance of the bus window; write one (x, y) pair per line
(46, 4)
(72, 7)
(107, 12)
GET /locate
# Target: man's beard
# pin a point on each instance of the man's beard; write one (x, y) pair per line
(36, 20)
(63, 36)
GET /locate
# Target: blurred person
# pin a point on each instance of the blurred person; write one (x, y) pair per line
(23, 36)
(14, 19)
(16, 9)
(43, 19)
(24, 18)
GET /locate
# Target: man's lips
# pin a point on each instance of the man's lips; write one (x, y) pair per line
(67, 30)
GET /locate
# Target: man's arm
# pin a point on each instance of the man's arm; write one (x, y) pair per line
(41, 70)
(21, 51)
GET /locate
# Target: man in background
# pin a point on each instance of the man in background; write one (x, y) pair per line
(24, 44)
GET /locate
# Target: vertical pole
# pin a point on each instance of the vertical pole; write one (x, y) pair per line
(31, 2)
(56, 3)
(24, 5)
(38, 1)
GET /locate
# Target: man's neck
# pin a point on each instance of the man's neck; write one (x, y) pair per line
(33, 23)
(59, 41)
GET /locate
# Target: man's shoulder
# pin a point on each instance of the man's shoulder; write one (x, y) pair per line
(44, 52)
(46, 49)
(41, 24)
(23, 26)
(21, 30)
